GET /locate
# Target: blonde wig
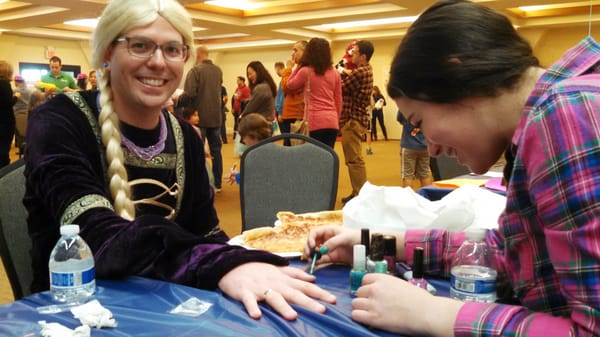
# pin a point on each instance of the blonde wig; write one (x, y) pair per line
(120, 16)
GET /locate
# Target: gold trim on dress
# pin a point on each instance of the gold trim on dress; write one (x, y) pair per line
(161, 161)
(83, 204)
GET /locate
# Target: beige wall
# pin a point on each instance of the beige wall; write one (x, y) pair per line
(17, 49)
(548, 45)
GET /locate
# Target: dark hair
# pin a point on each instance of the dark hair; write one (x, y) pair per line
(241, 78)
(279, 64)
(182, 102)
(255, 125)
(318, 55)
(366, 48)
(458, 49)
(376, 90)
(82, 83)
(262, 76)
(55, 59)
(187, 112)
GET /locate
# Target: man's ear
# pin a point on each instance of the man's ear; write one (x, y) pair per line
(107, 57)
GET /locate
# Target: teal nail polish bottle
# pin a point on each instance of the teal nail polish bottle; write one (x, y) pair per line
(358, 268)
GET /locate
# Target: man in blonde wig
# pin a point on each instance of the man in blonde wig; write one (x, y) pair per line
(132, 175)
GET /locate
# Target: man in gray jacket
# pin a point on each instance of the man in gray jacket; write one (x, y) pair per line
(203, 85)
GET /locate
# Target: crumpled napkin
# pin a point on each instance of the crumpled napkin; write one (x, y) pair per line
(393, 209)
(94, 314)
(59, 330)
(91, 314)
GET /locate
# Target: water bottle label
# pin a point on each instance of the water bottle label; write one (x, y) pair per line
(473, 286)
(72, 279)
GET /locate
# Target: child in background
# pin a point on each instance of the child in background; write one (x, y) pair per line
(415, 157)
(82, 81)
(252, 128)
(191, 116)
(35, 99)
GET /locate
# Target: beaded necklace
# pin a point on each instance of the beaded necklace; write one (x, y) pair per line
(149, 152)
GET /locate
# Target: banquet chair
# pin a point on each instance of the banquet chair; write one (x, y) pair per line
(299, 179)
(15, 244)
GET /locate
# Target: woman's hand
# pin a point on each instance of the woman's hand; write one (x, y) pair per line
(254, 282)
(339, 242)
(392, 304)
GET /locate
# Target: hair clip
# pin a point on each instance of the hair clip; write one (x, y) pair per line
(105, 65)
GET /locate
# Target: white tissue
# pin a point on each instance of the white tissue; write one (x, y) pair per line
(192, 307)
(390, 208)
(58, 330)
(94, 314)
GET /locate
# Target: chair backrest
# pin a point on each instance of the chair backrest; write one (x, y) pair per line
(15, 244)
(444, 167)
(299, 179)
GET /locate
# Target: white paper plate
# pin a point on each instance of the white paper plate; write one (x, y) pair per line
(239, 241)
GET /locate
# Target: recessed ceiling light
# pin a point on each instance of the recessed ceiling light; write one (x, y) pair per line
(235, 4)
(90, 23)
(375, 22)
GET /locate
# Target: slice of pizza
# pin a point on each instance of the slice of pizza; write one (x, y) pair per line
(319, 218)
(291, 234)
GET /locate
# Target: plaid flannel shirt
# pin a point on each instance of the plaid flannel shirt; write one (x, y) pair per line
(357, 88)
(548, 241)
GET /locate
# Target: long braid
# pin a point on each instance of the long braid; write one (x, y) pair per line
(111, 137)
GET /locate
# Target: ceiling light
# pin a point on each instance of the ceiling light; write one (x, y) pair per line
(243, 5)
(375, 22)
(246, 44)
(223, 36)
(558, 6)
(89, 23)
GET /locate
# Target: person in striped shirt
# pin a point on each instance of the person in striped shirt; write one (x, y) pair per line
(472, 84)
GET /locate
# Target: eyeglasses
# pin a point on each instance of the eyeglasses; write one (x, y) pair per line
(145, 48)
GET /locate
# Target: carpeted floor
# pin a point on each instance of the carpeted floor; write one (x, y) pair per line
(383, 168)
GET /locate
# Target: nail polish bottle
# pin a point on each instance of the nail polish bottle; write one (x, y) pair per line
(365, 238)
(417, 275)
(375, 261)
(358, 268)
(389, 253)
(404, 271)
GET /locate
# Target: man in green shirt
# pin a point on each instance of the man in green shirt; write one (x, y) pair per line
(63, 81)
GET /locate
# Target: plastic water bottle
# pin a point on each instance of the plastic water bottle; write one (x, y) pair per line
(71, 265)
(473, 277)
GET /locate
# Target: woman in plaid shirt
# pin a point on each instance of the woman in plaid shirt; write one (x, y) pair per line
(471, 83)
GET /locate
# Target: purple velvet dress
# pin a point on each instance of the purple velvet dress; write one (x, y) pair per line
(67, 183)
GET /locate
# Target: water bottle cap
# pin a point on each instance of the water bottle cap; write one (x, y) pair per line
(359, 257)
(475, 234)
(69, 230)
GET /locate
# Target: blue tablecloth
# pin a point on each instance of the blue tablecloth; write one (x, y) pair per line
(141, 308)
(434, 193)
